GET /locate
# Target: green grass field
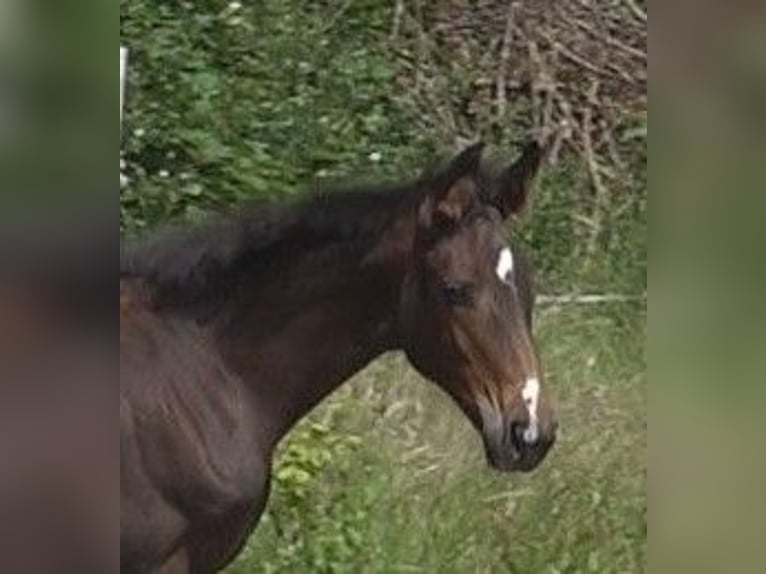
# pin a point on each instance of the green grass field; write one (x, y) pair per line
(387, 476)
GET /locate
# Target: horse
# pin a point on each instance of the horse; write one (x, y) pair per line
(233, 330)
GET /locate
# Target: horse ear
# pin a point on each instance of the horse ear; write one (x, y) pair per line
(512, 187)
(454, 191)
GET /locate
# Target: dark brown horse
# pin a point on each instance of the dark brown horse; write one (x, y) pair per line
(232, 332)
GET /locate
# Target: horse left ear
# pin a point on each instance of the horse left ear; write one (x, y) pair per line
(453, 191)
(511, 188)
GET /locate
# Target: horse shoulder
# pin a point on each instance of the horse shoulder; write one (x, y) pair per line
(192, 421)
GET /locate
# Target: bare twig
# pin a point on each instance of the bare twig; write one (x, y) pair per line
(554, 300)
(397, 25)
(505, 56)
(336, 17)
(550, 53)
(636, 10)
(610, 40)
(578, 59)
(596, 171)
(536, 61)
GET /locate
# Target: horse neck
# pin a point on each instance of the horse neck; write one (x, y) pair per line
(296, 339)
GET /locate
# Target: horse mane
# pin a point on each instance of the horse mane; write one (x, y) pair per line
(192, 259)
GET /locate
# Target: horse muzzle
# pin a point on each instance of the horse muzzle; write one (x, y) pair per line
(513, 444)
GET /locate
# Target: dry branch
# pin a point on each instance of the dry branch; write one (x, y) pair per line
(580, 65)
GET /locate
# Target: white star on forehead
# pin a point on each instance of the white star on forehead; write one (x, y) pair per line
(504, 266)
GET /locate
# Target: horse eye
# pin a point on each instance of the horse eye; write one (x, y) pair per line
(457, 294)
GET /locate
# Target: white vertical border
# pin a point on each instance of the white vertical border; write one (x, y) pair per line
(123, 68)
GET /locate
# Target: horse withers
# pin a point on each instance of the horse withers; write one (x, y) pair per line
(233, 331)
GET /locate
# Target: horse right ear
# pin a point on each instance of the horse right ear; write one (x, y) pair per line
(454, 191)
(512, 188)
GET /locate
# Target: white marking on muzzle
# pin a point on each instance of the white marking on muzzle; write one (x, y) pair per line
(531, 395)
(504, 266)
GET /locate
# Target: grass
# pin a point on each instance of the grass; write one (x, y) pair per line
(400, 484)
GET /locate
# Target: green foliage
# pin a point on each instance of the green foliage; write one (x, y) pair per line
(310, 449)
(256, 100)
(559, 232)
(302, 530)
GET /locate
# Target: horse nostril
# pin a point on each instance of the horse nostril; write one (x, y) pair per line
(524, 437)
(518, 432)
